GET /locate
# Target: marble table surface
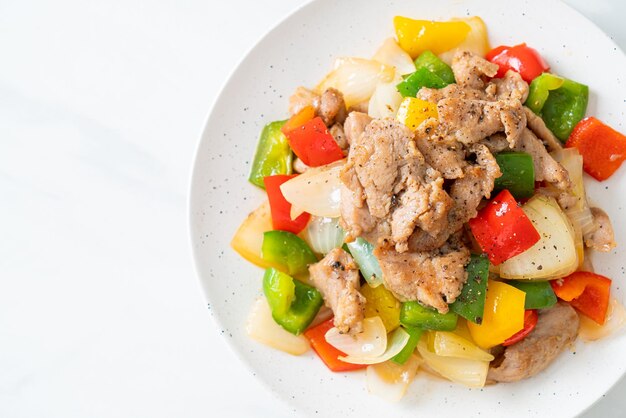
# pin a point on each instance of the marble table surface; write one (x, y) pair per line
(101, 108)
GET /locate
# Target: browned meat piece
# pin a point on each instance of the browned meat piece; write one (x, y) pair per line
(539, 128)
(511, 87)
(432, 278)
(477, 183)
(470, 121)
(556, 329)
(447, 157)
(453, 91)
(340, 137)
(470, 70)
(355, 218)
(336, 276)
(496, 143)
(355, 125)
(603, 238)
(387, 174)
(467, 193)
(546, 168)
(330, 106)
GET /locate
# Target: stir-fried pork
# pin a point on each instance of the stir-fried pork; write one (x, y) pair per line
(336, 276)
(387, 174)
(355, 125)
(434, 278)
(555, 330)
(330, 105)
(602, 238)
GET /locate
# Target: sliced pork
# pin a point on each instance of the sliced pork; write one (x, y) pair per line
(387, 174)
(434, 278)
(602, 238)
(556, 329)
(336, 276)
(546, 168)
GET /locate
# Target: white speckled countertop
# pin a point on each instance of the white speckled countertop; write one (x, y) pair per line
(101, 108)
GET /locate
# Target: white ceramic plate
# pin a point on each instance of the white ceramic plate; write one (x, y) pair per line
(300, 51)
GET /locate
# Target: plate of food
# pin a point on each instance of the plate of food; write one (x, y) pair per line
(413, 207)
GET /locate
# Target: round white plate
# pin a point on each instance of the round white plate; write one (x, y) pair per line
(300, 51)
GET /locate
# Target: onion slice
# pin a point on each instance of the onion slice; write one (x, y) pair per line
(324, 234)
(554, 255)
(448, 344)
(389, 380)
(372, 342)
(396, 343)
(385, 101)
(356, 78)
(392, 55)
(579, 212)
(262, 328)
(316, 191)
(471, 373)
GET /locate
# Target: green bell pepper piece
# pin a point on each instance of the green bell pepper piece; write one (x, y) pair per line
(414, 337)
(518, 174)
(430, 72)
(540, 89)
(560, 102)
(415, 315)
(362, 252)
(305, 302)
(565, 107)
(273, 155)
(431, 61)
(288, 250)
(279, 290)
(470, 304)
(539, 294)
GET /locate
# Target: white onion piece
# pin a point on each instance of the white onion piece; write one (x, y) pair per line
(389, 380)
(356, 78)
(396, 343)
(262, 328)
(324, 234)
(554, 255)
(385, 101)
(448, 344)
(392, 55)
(372, 342)
(471, 373)
(316, 191)
(476, 40)
(615, 319)
(579, 213)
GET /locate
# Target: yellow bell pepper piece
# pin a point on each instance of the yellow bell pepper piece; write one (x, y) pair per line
(503, 317)
(249, 237)
(381, 302)
(417, 36)
(413, 112)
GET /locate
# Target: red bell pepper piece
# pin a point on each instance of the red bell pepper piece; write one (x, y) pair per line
(328, 353)
(588, 292)
(502, 229)
(530, 320)
(311, 141)
(281, 208)
(520, 58)
(603, 148)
